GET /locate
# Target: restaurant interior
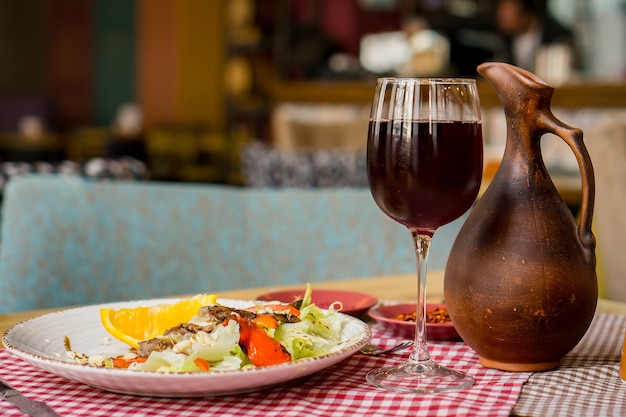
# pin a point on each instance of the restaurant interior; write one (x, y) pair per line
(184, 86)
(152, 149)
(275, 93)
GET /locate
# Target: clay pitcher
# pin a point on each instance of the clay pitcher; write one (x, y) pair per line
(520, 282)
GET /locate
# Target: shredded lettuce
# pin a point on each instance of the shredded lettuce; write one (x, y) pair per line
(315, 334)
(306, 299)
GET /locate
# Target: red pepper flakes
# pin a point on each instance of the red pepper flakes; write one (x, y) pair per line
(438, 315)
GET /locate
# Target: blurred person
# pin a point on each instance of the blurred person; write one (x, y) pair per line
(528, 27)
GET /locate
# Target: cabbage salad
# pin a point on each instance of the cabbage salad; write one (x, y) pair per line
(222, 338)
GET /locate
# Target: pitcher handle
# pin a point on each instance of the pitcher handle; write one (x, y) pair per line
(574, 139)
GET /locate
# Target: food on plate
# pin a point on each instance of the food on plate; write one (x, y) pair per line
(438, 315)
(220, 337)
(131, 325)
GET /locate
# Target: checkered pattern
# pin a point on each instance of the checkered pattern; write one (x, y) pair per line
(587, 383)
(338, 391)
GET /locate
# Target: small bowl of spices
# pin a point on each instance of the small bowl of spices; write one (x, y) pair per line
(400, 320)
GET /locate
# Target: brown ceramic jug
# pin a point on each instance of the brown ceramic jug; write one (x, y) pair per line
(520, 283)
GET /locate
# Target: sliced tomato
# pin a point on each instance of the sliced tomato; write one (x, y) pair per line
(266, 320)
(202, 364)
(262, 349)
(122, 363)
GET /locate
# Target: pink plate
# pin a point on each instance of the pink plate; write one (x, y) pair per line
(354, 303)
(384, 315)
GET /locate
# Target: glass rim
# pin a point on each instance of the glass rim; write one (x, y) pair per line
(428, 80)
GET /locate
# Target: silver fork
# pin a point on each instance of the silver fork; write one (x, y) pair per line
(373, 350)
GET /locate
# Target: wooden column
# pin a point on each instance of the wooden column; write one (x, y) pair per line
(180, 59)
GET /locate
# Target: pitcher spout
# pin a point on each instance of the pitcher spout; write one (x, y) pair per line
(516, 87)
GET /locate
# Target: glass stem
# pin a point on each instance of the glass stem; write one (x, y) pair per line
(420, 347)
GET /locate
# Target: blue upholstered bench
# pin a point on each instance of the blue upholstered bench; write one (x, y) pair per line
(73, 241)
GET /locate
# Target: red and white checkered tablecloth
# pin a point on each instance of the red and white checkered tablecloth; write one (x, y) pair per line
(340, 390)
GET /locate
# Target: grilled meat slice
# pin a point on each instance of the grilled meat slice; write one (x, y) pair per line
(154, 345)
(185, 328)
(219, 313)
(162, 343)
(286, 318)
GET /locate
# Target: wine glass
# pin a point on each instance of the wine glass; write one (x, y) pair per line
(424, 167)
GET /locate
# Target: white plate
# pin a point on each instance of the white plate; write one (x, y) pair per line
(40, 342)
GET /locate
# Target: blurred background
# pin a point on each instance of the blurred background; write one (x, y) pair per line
(208, 90)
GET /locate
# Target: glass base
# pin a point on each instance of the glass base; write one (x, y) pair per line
(423, 378)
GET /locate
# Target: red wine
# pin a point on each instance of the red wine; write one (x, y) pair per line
(422, 174)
